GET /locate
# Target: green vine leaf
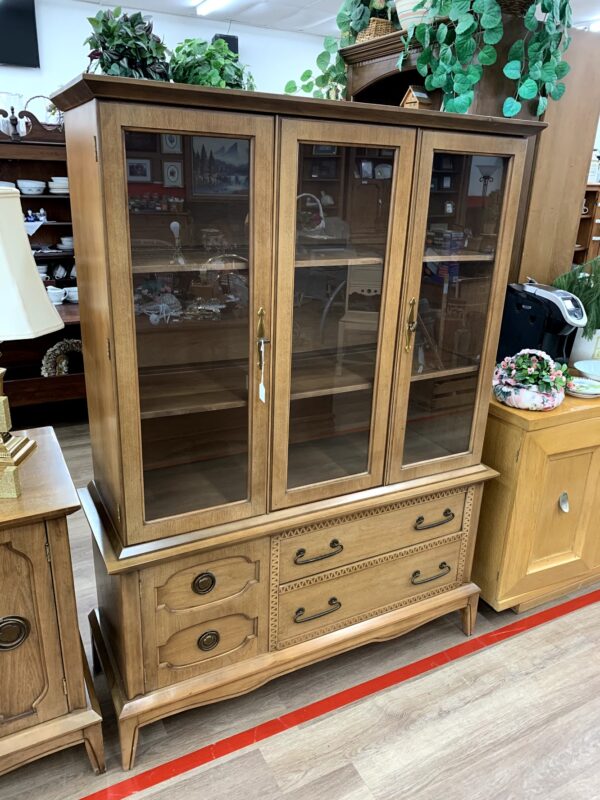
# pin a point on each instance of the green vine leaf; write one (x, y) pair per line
(465, 23)
(323, 60)
(562, 69)
(465, 49)
(529, 20)
(462, 102)
(458, 8)
(528, 89)
(493, 35)
(330, 44)
(558, 91)
(488, 55)
(517, 51)
(441, 33)
(549, 72)
(513, 70)
(542, 105)
(511, 107)
(305, 75)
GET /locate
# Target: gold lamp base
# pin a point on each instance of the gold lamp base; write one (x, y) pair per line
(13, 450)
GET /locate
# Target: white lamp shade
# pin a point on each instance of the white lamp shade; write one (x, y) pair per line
(25, 308)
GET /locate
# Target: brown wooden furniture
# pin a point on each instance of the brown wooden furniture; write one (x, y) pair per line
(41, 155)
(267, 492)
(588, 236)
(539, 519)
(47, 700)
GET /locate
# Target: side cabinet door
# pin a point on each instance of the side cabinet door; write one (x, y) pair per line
(467, 195)
(31, 669)
(554, 538)
(343, 211)
(189, 208)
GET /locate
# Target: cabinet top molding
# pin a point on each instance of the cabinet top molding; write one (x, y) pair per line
(88, 87)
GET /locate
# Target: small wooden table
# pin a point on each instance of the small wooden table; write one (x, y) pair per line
(47, 700)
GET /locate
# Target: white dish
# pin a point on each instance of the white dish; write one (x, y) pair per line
(590, 368)
(59, 180)
(58, 185)
(58, 191)
(31, 184)
(8, 185)
(32, 190)
(64, 246)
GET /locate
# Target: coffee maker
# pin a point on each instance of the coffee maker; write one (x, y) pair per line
(539, 317)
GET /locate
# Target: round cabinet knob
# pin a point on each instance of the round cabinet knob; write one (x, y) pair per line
(13, 632)
(208, 640)
(204, 583)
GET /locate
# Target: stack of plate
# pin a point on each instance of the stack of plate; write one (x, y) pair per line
(66, 243)
(583, 387)
(59, 186)
(31, 187)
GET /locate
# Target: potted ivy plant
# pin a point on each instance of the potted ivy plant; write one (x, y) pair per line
(459, 40)
(125, 45)
(198, 62)
(584, 282)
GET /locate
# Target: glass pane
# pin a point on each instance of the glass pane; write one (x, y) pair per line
(343, 208)
(188, 219)
(450, 315)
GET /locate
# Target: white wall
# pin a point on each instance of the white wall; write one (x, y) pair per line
(273, 56)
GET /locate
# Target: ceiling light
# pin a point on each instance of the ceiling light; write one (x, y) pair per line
(595, 26)
(209, 6)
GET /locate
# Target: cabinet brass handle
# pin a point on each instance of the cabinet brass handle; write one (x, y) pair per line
(208, 640)
(416, 578)
(204, 583)
(563, 502)
(336, 547)
(420, 525)
(261, 339)
(13, 632)
(333, 602)
(411, 325)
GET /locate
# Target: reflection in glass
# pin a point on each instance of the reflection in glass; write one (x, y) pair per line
(343, 207)
(188, 221)
(463, 226)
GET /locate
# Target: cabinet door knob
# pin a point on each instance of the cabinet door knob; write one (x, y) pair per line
(563, 502)
(204, 583)
(208, 640)
(13, 632)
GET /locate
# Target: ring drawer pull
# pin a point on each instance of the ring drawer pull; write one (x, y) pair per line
(336, 547)
(204, 583)
(208, 640)
(420, 526)
(13, 632)
(333, 602)
(416, 578)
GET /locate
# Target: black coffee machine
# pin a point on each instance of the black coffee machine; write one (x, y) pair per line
(539, 317)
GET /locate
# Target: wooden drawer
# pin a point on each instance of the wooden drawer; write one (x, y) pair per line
(342, 597)
(325, 545)
(200, 613)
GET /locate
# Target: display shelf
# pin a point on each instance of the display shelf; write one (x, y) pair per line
(330, 457)
(189, 266)
(34, 197)
(69, 313)
(469, 256)
(64, 254)
(367, 261)
(453, 372)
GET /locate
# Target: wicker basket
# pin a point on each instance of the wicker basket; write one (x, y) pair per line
(375, 29)
(517, 8)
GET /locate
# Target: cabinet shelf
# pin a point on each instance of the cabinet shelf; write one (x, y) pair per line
(453, 372)
(468, 256)
(367, 261)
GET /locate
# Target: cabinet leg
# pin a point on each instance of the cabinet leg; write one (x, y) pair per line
(469, 614)
(94, 745)
(128, 737)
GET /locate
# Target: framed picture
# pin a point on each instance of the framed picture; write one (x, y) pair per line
(446, 181)
(170, 143)
(325, 150)
(220, 166)
(139, 170)
(366, 169)
(172, 173)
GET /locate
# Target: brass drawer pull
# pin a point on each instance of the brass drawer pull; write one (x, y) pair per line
(204, 583)
(336, 547)
(333, 602)
(13, 632)
(416, 578)
(208, 640)
(420, 526)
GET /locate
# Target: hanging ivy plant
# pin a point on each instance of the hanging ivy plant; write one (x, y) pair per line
(455, 53)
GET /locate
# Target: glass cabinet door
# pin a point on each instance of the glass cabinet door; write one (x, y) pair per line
(344, 201)
(466, 208)
(199, 276)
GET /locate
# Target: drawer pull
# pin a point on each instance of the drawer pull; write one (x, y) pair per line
(13, 632)
(420, 526)
(208, 640)
(204, 583)
(563, 502)
(417, 579)
(333, 602)
(336, 547)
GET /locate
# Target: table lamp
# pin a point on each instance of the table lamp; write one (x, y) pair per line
(25, 313)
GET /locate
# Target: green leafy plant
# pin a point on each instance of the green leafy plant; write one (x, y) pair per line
(198, 62)
(330, 80)
(126, 46)
(456, 52)
(584, 282)
(531, 368)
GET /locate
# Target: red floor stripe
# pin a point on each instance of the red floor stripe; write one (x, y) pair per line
(265, 730)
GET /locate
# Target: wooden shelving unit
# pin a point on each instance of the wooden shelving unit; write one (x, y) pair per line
(588, 235)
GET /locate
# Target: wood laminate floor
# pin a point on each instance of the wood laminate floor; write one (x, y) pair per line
(517, 721)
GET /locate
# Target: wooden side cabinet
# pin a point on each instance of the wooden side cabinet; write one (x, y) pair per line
(539, 519)
(46, 699)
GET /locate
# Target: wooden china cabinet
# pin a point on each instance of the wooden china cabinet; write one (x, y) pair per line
(287, 391)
